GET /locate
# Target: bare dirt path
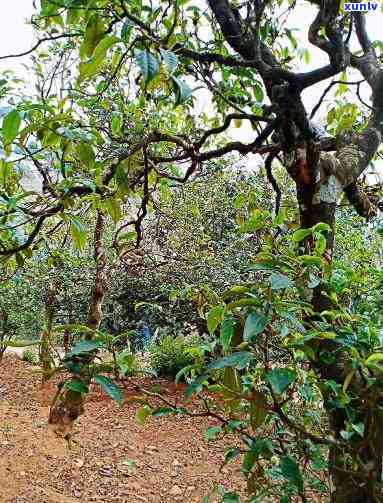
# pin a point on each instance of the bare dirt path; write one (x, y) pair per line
(115, 459)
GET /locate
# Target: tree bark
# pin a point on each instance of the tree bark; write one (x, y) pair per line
(68, 405)
(321, 180)
(45, 342)
(350, 486)
(3, 334)
(67, 338)
(99, 286)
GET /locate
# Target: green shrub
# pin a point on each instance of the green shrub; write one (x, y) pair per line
(171, 354)
(29, 356)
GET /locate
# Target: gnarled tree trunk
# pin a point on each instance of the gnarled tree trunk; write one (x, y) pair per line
(321, 180)
(361, 485)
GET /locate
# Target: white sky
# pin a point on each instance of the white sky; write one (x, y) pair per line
(15, 35)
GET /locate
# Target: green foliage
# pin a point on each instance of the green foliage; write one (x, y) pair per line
(148, 65)
(11, 125)
(268, 394)
(121, 134)
(85, 347)
(30, 357)
(110, 387)
(85, 365)
(172, 354)
(91, 67)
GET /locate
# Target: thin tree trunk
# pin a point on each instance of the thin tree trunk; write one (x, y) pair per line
(4, 329)
(45, 343)
(99, 286)
(68, 405)
(67, 340)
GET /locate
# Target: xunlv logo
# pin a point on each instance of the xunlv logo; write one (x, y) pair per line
(360, 7)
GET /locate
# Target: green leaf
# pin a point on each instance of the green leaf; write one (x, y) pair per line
(237, 360)
(84, 347)
(163, 411)
(320, 244)
(239, 201)
(254, 325)
(290, 470)
(73, 327)
(77, 385)
(125, 361)
(346, 435)
(197, 385)
(113, 207)
(170, 60)
(143, 413)
(263, 447)
(281, 217)
(78, 232)
(231, 498)
(183, 91)
(376, 357)
(94, 32)
(19, 259)
(130, 464)
(235, 291)
(110, 387)
(280, 379)
(126, 30)
(91, 67)
(86, 154)
(321, 227)
(301, 234)
(248, 461)
(117, 123)
(214, 318)
(243, 303)
(183, 372)
(148, 65)
(227, 332)
(258, 92)
(264, 264)
(11, 126)
(310, 260)
(280, 282)
(231, 454)
(211, 433)
(359, 428)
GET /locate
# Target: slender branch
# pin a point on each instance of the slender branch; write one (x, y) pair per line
(229, 118)
(273, 182)
(29, 241)
(41, 41)
(328, 88)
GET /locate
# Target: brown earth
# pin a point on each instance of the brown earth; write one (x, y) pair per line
(114, 459)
